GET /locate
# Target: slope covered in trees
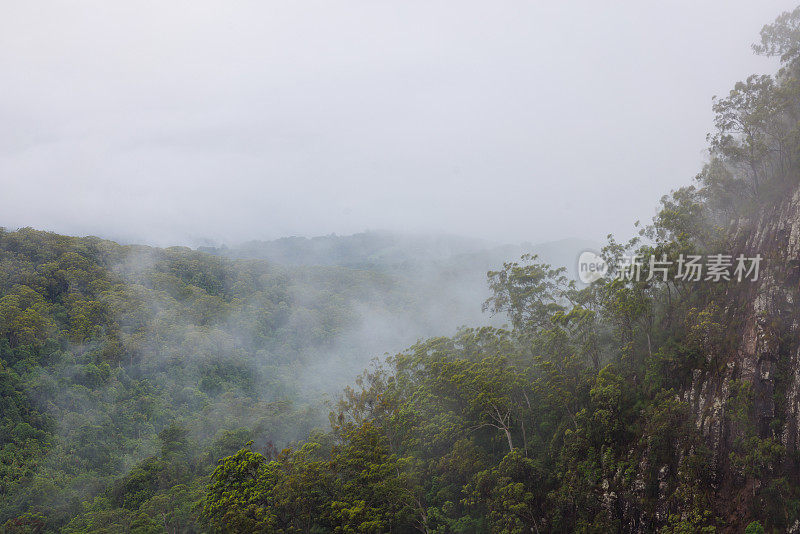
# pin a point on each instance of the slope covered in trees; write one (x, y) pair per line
(126, 372)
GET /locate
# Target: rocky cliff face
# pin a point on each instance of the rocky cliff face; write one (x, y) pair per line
(765, 320)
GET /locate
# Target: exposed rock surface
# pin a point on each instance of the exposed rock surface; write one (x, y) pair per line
(765, 320)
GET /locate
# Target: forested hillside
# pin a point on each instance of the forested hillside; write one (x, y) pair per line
(126, 372)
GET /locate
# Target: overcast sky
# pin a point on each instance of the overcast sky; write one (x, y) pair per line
(173, 122)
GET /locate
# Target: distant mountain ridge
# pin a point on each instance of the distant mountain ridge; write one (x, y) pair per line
(387, 251)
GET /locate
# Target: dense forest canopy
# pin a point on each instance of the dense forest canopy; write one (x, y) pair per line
(113, 353)
(162, 390)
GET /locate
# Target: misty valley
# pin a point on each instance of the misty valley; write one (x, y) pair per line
(129, 371)
(398, 380)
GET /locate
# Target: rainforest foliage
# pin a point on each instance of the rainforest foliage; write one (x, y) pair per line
(148, 390)
(127, 372)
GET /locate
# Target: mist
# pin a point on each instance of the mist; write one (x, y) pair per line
(200, 123)
(312, 266)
